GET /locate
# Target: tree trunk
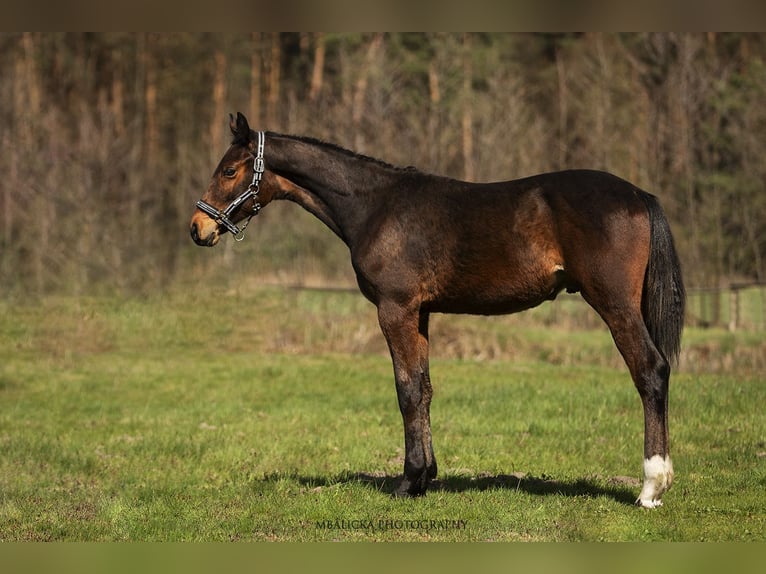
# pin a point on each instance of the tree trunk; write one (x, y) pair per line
(118, 94)
(563, 109)
(256, 55)
(603, 111)
(360, 91)
(217, 121)
(275, 63)
(151, 130)
(433, 115)
(467, 124)
(29, 102)
(317, 73)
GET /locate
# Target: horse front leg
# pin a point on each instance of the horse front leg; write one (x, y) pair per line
(406, 331)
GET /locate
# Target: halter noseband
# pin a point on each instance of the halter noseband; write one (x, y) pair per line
(221, 217)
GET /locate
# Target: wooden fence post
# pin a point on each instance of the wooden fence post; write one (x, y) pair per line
(733, 308)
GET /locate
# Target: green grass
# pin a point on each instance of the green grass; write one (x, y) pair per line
(271, 415)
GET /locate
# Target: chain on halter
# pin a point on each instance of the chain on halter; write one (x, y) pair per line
(222, 217)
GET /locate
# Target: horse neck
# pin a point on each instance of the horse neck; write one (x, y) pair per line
(335, 185)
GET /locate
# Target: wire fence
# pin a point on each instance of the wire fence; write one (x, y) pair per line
(738, 307)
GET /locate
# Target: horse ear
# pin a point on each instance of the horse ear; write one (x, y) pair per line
(240, 129)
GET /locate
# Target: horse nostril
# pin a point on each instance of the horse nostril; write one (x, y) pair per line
(194, 233)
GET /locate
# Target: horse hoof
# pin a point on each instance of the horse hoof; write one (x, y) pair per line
(658, 476)
(649, 503)
(407, 489)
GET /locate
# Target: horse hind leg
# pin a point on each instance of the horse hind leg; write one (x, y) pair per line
(650, 372)
(658, 466)
(651, 375)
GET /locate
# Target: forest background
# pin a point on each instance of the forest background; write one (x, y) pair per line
(107, 140)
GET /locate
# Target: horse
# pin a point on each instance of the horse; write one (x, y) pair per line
(423, 244)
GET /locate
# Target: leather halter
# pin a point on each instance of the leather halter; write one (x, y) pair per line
(222, 217)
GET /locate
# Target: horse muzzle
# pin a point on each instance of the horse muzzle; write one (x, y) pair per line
(204, 231)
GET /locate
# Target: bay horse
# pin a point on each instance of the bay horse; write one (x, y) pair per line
(423, 244)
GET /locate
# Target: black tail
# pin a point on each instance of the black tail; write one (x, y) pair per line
(663, 300)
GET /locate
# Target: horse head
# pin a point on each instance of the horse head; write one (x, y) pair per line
(235, 192)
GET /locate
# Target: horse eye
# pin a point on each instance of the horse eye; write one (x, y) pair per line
(229, 172)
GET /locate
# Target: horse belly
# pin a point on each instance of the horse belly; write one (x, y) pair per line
(500, 289)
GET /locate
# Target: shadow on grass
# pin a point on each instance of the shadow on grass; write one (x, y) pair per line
(620, 489)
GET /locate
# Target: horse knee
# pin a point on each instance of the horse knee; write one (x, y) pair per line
(413, 392)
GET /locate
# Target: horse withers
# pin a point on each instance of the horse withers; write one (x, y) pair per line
(423, 244)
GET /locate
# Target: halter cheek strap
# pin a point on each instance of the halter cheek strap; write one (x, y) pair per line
(222, 217)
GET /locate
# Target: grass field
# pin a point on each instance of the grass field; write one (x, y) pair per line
(271, 414)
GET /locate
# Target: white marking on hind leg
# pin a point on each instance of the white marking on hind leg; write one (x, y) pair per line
(658, 476)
